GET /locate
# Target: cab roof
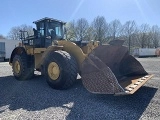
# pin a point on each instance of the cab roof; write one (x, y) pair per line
(50, 19)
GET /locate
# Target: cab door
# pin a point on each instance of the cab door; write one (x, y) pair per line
(40, 40)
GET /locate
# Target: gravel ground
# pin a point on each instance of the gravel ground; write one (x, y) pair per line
(34, 99)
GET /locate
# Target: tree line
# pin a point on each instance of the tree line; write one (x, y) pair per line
(135, 36)
(100, 30)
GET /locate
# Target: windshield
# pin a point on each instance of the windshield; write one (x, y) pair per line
(55, 30)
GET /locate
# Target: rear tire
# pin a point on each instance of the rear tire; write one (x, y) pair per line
(67, 70)
(21, 71)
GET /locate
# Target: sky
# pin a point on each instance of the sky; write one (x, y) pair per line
(18, 12)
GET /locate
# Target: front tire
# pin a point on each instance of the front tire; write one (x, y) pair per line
(21, 71)
(60, 70)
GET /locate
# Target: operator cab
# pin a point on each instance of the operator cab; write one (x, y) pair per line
(47, 31)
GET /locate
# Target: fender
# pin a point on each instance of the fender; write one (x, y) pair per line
(16, 51)
(48, 50)
(74, 50)
(67, 46)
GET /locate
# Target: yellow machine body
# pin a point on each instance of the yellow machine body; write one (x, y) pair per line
(105, 69)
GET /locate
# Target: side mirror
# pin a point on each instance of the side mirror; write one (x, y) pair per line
(35, 32)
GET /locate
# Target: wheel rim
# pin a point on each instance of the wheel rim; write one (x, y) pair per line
(53, 71)
(17, 67)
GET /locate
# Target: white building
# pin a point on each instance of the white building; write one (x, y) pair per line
(7, 46)
(144, 52)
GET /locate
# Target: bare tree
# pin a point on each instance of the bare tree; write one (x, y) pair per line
(89, 34)
(144, 39)
(100, 28)
(14, 33)
(129, 29)
(81, 29)
(135, 39)
(114, 29)
(2, 37)
(155, 35)
(71, 31)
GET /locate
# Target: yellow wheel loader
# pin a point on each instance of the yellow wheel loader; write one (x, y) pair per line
(105, 69)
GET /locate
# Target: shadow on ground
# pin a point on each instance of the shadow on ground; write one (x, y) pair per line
(36, 95)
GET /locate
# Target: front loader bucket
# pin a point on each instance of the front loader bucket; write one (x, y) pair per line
(109, 69)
